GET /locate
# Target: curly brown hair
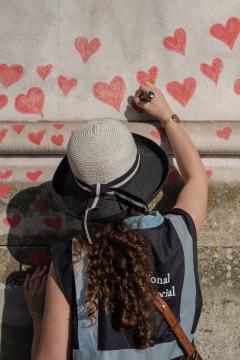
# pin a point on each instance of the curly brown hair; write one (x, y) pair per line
(119, 267)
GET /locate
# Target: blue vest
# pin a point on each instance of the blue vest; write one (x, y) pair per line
(174, 244)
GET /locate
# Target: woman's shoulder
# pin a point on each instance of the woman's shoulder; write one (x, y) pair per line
(185, 220)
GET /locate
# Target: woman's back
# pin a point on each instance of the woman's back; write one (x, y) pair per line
(173, 241)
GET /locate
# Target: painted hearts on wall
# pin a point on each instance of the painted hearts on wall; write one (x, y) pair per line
(150, 75)
(86, 48)
(5, 174)
(212, 71)
(182, 92)
(3, 101)
(236, 86)
(111, 94)
(177, 42)
(224, 133)
(31, 103)
(18, 128)
(12, 221)
(34, 175)
(57, 139)
(44, 70)
(38, 257)
(66, 85)
(36, 137)
(9, 75)
(3, 133)
(227, 34)
(5, 189)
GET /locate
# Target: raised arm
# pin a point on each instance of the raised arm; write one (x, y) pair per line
(194, 194)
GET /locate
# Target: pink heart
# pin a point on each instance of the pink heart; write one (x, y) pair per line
(224, 133)
(34, 175)
(66, 85)
(5, 189)
(157, 134)
(13, 221)
(177, 42)
(44, 71)
(36, 137)
(5, 174)
(212, 71)
(3, 133)
(32, 103)
(10, 74)
(209, 173)
(228, 33)
(110, 94)
(182, 92)
(150, 75)
(18, 128)
(37, 257)
(236, 86)
(85, 48)
(53, 223)
(57, 139)
(3, 101)
(58, 126)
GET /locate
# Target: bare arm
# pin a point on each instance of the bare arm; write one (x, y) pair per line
(194, 195)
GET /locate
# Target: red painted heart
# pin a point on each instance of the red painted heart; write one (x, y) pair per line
(12, 221)
(158, 134)
(18, 128)
(236, 86)
(150, 75)
(38, 257)
(224, 133)
(212, 71)
(182, 92)
(209, 173)
(5, 174)
(173, 176)
(3, 133)
(3, 101)
(5, 189)
(58, 126)
(228, 33)
(42, 206)
(9, 75)
(85, 48)
(37, 137)
(110, 94)
(66, 85)
(32, 103)
(177, 42)
(57, 139)
(53, 223)
(44, 70)
(34, 175)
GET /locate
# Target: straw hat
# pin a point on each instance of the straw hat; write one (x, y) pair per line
(106, 171)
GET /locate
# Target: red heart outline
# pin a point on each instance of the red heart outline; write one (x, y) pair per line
(3, 101)
(224, 133)
(5, 174)
(44, 70)
(37, 137)
(66, 85)
(5, 189)
(34, 175)
(18, 128)
(57, 139)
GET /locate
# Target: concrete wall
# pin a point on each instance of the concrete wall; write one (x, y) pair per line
(51, 80)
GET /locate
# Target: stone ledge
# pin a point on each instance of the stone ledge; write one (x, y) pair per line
(43, 137)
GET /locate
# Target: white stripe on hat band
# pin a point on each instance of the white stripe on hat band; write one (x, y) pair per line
(115, 191)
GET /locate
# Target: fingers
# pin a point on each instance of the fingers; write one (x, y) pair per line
(32, 283)
(146, 86)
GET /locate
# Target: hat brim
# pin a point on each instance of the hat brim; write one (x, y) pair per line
(146, 183)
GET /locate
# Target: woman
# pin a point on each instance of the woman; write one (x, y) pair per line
(129, 255)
